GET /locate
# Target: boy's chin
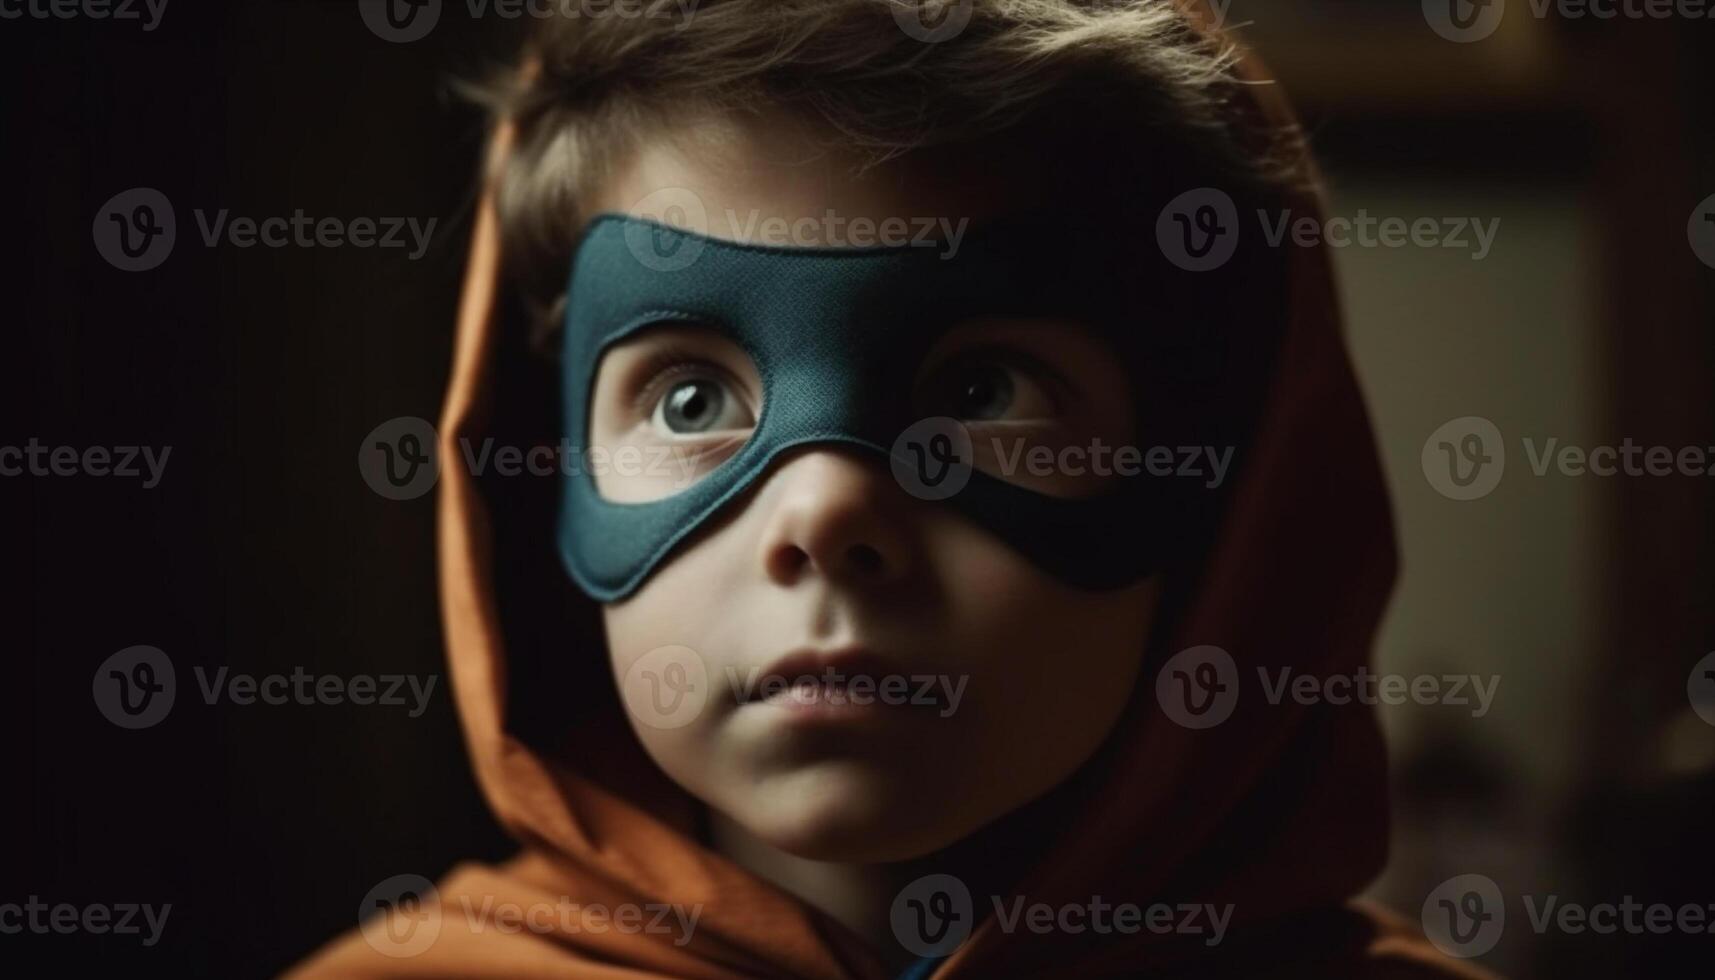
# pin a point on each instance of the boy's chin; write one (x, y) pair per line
(849, 814)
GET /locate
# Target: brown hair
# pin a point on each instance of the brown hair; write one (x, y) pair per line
(594, 82)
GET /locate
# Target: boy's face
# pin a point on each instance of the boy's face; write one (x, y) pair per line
(953, 681)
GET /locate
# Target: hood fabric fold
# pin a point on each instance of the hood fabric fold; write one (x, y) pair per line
(1279, 813)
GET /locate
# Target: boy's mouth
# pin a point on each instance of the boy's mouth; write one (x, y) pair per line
(839, 684)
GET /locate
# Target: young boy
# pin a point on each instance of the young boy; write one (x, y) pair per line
(928, 463)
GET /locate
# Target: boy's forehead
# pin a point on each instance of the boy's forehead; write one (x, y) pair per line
(748, 178)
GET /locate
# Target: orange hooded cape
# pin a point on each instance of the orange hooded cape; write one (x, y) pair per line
(1281, 811)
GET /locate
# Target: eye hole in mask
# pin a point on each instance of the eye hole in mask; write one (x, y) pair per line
(1026, 390)
(672, 403)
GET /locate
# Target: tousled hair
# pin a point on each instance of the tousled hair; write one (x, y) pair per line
(596, 79)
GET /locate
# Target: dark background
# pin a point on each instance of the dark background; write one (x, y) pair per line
(264, 550)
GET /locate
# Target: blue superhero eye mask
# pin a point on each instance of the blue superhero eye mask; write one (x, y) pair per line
(836, 336)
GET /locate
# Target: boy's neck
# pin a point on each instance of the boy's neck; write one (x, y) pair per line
(858, 896)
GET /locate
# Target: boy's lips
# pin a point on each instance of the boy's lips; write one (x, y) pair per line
(846, 662)
(830, 686)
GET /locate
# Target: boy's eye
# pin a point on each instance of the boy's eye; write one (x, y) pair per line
(988, 389)
(693, 406)
(984, 392)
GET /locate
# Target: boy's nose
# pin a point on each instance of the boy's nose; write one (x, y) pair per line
(837, 515)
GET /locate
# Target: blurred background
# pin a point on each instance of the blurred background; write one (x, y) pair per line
(1589, 320)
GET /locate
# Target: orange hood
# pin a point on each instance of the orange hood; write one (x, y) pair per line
(1280, 812)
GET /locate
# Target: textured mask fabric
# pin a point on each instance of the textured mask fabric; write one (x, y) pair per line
(836, 336)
